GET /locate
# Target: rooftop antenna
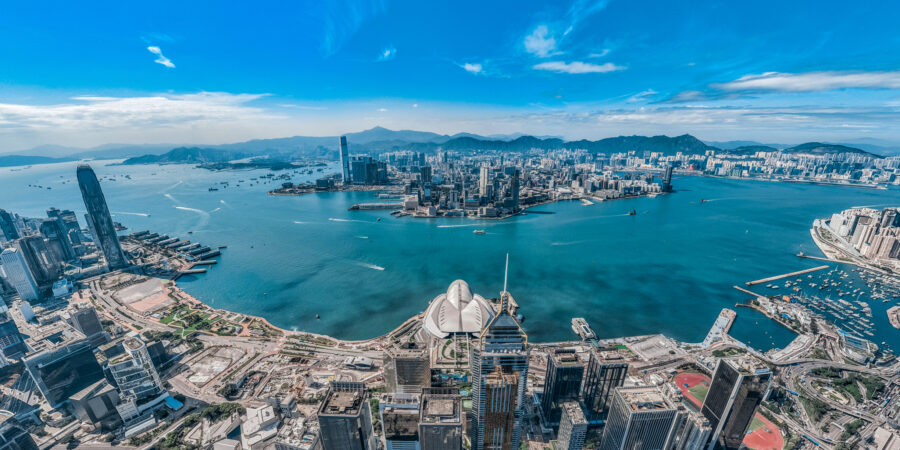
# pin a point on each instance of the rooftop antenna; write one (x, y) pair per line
(504, 296)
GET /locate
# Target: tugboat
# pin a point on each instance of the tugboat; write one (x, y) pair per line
(632, 213)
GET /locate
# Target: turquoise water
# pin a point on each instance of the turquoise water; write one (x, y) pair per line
(669, 269)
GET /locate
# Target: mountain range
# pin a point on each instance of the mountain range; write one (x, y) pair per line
(379, 140)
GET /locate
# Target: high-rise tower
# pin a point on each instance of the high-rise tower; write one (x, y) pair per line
(500, 376)
(99, 218)
(562, 383)
(345, 161)
(736, 390)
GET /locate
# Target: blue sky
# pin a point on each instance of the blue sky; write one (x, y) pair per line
(212, 72)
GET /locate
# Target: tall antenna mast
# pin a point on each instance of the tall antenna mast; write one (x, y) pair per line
(504, 296)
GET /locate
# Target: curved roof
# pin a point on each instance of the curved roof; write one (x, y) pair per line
(457, 311)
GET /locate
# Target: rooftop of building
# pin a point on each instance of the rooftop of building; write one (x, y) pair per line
(441, 409)
(132, 343)
(644, 398)
(565, 357)
(342, 403)
(407, 349)
(748, 364)
(399, 399)
(574, 411)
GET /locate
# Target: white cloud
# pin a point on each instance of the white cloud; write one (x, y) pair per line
(540, 43)
(643, 95)
(382, 110)
(577, 67)
(161, 58)
(389, 53)
(600, 54)
(473, 68)
(813, 81)
(415, 105)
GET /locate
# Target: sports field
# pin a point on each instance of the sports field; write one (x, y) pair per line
(762, 435)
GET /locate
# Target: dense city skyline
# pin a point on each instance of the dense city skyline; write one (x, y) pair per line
(764, 71)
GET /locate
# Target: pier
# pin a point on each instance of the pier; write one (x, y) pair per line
(819, 258)
(369, 206)
(792, 274)
(754, 294)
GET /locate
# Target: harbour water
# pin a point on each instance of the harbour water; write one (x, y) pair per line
(668, 269)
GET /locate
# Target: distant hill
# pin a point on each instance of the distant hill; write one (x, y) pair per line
(187, 155)
(379, 140)
(818, 148)
(27, 160)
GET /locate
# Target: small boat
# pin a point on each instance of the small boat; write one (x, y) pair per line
(702, 200)
(223, 246)
(190, 232)
(213, 189)
(317, 317)
(378, 219)
(632, 213)
(478, 231)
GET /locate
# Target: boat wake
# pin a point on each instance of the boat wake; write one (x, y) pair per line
(185, 208)
(361, 237)
(346, 220)
(169, 196)
(458, 226)
(370, 266)
(217, 209)
(223, 202)
(298, 222)
(567, 243)
(132, 213)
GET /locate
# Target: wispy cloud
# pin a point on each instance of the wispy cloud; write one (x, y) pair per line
(388, 53)
(161, 59)
(812, 81)
(381, 110)
(641, 96)
(540, 43)
(472, 68)
(546, 38)
(89, 113)
(341, 19)
(576, 67)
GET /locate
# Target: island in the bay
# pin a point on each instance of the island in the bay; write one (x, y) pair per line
(101, 348)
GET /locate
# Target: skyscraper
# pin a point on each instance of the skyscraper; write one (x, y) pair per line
(514, 187)
(8, 228)
(11, 343)
(407, 368)
(399, 421)
(572, 427)
(667, 180)
(12, 435)
(136, 378)
(562, 383)
(57, 235)
(99, 218)
(639, 418)
(440, 419)
(84, 318)
(18, 274)
(737, 388)
(500, 376)
(64, 368)
(44, 266)
(484, 181)
(605, 372)
(345, 419)
(345, 161)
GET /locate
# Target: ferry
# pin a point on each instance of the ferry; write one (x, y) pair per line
(213, 189)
